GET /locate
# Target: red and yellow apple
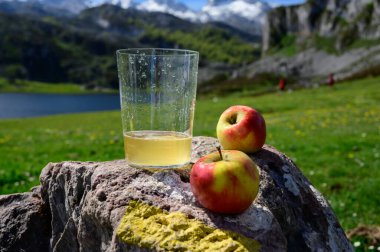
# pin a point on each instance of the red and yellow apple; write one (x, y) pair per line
(225, 182)
(241, 128)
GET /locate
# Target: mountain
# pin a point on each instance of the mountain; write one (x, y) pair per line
(81, 48)
(337, 23)
(247, 15)
(58, 7)
(125, 4)
(308, 42)
(73, 6)
(32, 8)
(169, 6)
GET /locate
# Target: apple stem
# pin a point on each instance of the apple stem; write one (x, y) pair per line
(220, 152)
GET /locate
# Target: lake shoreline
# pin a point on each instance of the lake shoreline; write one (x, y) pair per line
(29, 105)
(36, 87)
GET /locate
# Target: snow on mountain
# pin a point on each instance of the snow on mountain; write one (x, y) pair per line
(73, 6)
(122, 3)
(169, 6)
(247, 15)
(251, 10)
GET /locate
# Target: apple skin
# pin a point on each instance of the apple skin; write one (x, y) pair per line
(226, 186)
(241, 128)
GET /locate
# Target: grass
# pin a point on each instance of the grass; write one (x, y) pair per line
(364, 43)
(286, 48)
(333, 135)
(22, 86)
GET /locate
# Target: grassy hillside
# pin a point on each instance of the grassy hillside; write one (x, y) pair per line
(333, 135)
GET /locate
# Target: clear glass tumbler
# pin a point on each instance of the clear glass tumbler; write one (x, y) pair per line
(157, 93)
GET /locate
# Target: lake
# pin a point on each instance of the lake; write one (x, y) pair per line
(13, 105)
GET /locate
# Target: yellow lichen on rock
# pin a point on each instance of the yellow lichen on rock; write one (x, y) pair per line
(150, 227)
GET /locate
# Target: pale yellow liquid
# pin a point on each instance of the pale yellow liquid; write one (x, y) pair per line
(157, 148)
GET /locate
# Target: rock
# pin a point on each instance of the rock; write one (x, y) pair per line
(109, 206)
(210, 70)
(337, 19)
(313, 66)
(327, 36)
(24, 223)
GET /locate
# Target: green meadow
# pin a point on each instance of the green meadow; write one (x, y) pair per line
(22, 86)
(332, 134)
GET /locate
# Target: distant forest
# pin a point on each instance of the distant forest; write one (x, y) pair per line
(81, 49)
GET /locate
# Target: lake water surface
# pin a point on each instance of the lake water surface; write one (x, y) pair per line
(31, 105)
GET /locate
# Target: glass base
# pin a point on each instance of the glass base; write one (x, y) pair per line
(159, 168)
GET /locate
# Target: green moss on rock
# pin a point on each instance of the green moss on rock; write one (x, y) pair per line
(150, 227)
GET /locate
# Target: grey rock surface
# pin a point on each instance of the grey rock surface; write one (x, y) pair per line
(315, 26)
(208, 71)
(312, 67)
(24, 223)
(79, 205)
(327, 18)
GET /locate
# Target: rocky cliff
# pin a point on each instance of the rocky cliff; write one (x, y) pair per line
(109, 206)
(343, 20)
(311, 67)
(307, 42)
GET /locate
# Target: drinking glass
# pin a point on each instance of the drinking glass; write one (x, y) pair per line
(157, 93)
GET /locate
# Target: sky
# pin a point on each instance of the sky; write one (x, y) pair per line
(198, 4)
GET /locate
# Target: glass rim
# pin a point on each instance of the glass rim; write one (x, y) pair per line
(150, 52)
